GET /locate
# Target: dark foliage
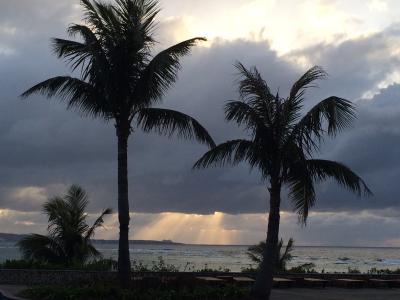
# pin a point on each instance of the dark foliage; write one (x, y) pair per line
(69, 236)
(121, 80)
(281, 144)
(281, 140)
(255, 253)
(108, 292)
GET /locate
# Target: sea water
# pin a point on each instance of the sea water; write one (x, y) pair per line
(234, 258)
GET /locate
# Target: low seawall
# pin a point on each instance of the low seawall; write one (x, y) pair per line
(33, 277)
(64, 277)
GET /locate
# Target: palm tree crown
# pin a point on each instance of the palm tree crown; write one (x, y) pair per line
(120, 79)
(69, 235)
(255, 254)
(281, 141)
(281, 145)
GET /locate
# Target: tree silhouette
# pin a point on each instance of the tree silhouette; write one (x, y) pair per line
(68, 241)
(121, 80)
(255, 253)
(281, 145)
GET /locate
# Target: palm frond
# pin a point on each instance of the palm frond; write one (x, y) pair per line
(162, 72)
(301, 189)
(306, 81)
(255, 252)
(77, 93)
(91, 251)
(101, 34)
(330, 116)
(90, 54)
(99, 16)
(303, 175)
(293, 105)
(230, 152)
(77, 199)
(92, 16)
(291, 113)
(243, 114)
(252, 86)
(98, 223)
(40, 247)
(254, 90)
(107, 13)
(75, 53)
(286, 256)
(169, 122)
(139, 13)
(58, 215)
(324, 169)
(69, 235)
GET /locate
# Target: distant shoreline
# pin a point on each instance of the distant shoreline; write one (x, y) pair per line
(139, 242)
(14, 238)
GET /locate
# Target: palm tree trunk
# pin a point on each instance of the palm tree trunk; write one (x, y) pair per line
(124, 263)
(263, 285)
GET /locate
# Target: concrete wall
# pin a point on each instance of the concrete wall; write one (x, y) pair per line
(31, 277)
(63, 277)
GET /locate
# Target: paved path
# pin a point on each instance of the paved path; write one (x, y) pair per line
(11, 290)
(335, 294)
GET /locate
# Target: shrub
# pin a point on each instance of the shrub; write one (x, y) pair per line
(383, 271)
(353, 270)
(107, 292)
(156, 266)
(304, 268)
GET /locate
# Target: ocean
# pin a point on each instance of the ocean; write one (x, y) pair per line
(234, 258)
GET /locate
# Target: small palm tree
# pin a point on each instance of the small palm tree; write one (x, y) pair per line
(121, 80)
(255, 253)
(281, 146)
(68, 240)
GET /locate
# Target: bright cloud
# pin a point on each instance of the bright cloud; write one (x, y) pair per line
(288, 25)
(30, 193)
(378, 5)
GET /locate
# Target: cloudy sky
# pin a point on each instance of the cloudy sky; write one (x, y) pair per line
(44, 148)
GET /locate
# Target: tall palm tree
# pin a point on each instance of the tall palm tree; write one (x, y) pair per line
(281, 145)
(255, 253)
(121, 80)
(68, 241)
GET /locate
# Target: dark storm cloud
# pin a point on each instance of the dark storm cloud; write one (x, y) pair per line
(42, 145)
(372, 148)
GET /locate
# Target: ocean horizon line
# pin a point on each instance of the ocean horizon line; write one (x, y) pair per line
(13, 237)
(171, 242)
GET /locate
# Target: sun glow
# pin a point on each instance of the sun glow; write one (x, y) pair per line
(192, 228)
(31, 192)
(286, 25)
(4, 213)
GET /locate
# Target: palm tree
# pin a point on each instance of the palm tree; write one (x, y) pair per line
(255, 253)
(121, 80)
(281, 145)
(68, 241)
